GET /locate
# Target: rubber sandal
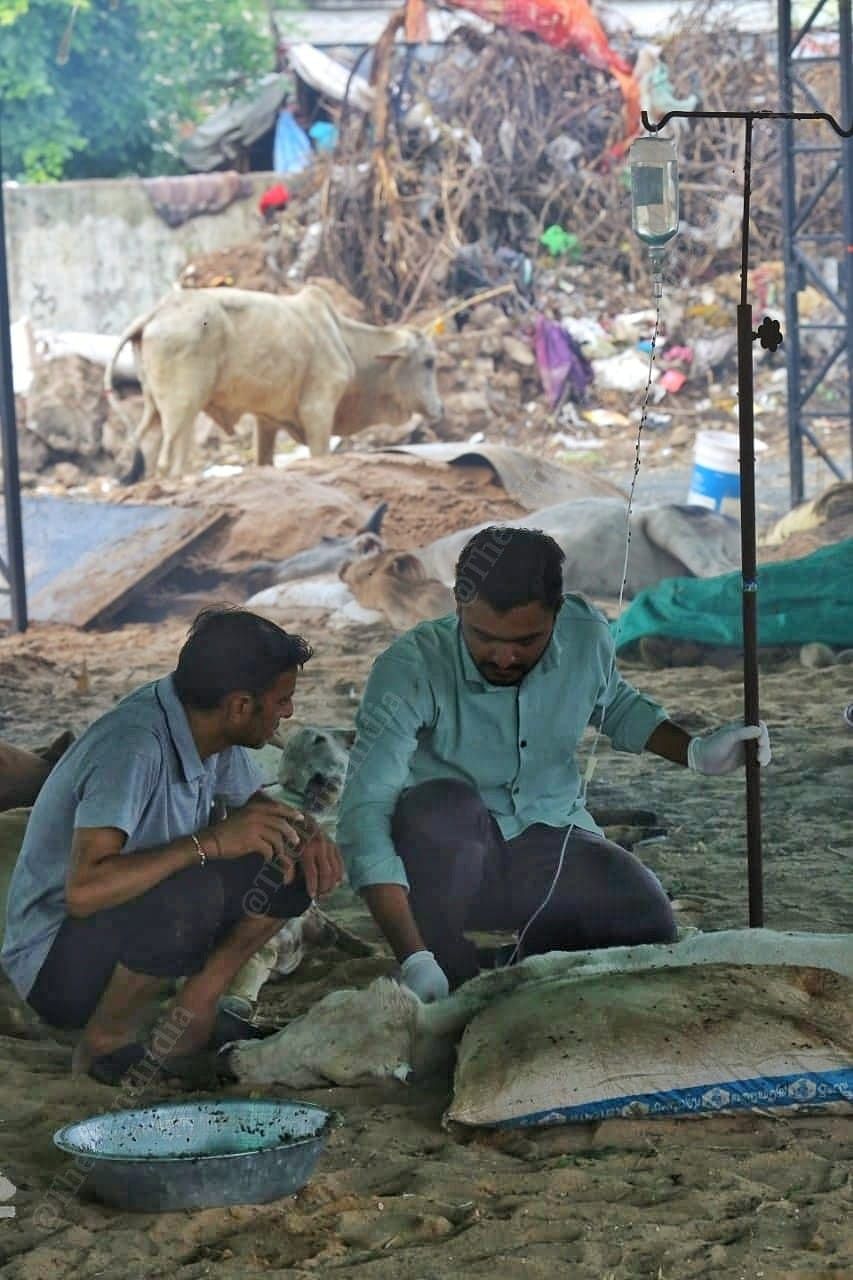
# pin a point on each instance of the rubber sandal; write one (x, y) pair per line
(110, 1068)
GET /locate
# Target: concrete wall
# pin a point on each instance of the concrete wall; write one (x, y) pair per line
(92, 255)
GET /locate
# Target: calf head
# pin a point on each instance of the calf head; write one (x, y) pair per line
(313, 765)
(409, 379)
(401, 565)
(395, 583)
(349, 1038)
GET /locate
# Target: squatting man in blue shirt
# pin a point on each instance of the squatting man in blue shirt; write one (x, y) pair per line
(131, 874)
(463, 781)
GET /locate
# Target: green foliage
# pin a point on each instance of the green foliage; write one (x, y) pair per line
(104, 88)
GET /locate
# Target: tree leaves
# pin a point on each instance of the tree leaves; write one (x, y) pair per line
(104, 88)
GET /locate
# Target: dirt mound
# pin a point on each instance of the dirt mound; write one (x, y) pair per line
(243, 266)
(256, 264)
(282, 511)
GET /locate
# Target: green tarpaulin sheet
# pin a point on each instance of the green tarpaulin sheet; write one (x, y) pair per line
(799, 601)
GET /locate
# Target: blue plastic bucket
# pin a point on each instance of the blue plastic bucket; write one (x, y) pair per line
(715, 482)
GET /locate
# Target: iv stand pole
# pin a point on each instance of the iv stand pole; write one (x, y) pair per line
(14, 571)
(770, 337)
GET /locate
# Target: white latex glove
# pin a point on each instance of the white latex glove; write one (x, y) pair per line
(722, 751)
(422, 974)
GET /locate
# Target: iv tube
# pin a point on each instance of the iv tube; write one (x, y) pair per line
(654, 198)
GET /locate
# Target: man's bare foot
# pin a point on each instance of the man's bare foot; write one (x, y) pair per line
(182, 1032)
(92, 1046)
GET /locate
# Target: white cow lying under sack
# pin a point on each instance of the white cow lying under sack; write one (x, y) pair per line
(384, 1032)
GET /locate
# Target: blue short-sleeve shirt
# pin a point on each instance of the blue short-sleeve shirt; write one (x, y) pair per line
(137, 768)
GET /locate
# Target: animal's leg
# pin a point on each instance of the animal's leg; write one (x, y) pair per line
(178, 429)
(150, 421)
(150, 418)
(180, 395)
(265, 434)
(317, 417)
(182, 450)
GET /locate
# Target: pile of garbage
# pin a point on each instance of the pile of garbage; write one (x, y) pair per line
(494, 172)
(503, 141)
(480, 190)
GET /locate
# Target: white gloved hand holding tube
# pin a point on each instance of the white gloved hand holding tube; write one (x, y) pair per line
(424, 976)
(722, 750)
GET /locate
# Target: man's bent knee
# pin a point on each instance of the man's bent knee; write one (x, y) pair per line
(656, 923)
(439, 807)
(170, 929)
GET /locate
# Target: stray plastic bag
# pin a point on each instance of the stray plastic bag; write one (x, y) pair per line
(324, 135)
(291, 147)
(673, 380)
(629, 371)
(273, 199)
(561, 243)
(560, 361)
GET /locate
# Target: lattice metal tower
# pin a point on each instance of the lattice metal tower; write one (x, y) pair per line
(816, 74)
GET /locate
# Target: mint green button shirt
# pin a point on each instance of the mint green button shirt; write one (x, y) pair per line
(427, 713)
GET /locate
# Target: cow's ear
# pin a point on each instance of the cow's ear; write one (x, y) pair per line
(405, 347)
(408, 567)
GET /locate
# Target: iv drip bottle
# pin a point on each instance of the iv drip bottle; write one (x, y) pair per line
(654, 190)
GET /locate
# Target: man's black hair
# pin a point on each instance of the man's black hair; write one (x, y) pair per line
(507, 567)
(232, 650)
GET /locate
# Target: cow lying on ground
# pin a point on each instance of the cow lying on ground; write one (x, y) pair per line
(667, 541)
(395, 584)
(293, 362)
(383, 1032)
(326, 556)
(375, 585)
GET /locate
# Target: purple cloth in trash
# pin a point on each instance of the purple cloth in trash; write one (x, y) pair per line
(560, 359)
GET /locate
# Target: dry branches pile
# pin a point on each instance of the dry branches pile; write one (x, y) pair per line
(501, 135)
(481, 158)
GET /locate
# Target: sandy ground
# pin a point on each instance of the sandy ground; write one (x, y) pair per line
(395, 1195)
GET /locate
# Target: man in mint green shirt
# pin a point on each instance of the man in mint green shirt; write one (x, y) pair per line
(463, 806)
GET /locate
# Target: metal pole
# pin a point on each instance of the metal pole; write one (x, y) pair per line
(749, 569)
(845, 48)
(796, 476)
(9, 435)
(746, 425)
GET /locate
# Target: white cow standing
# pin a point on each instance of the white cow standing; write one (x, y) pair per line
(293, 362)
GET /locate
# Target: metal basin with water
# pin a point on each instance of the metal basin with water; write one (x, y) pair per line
(195, 1155)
